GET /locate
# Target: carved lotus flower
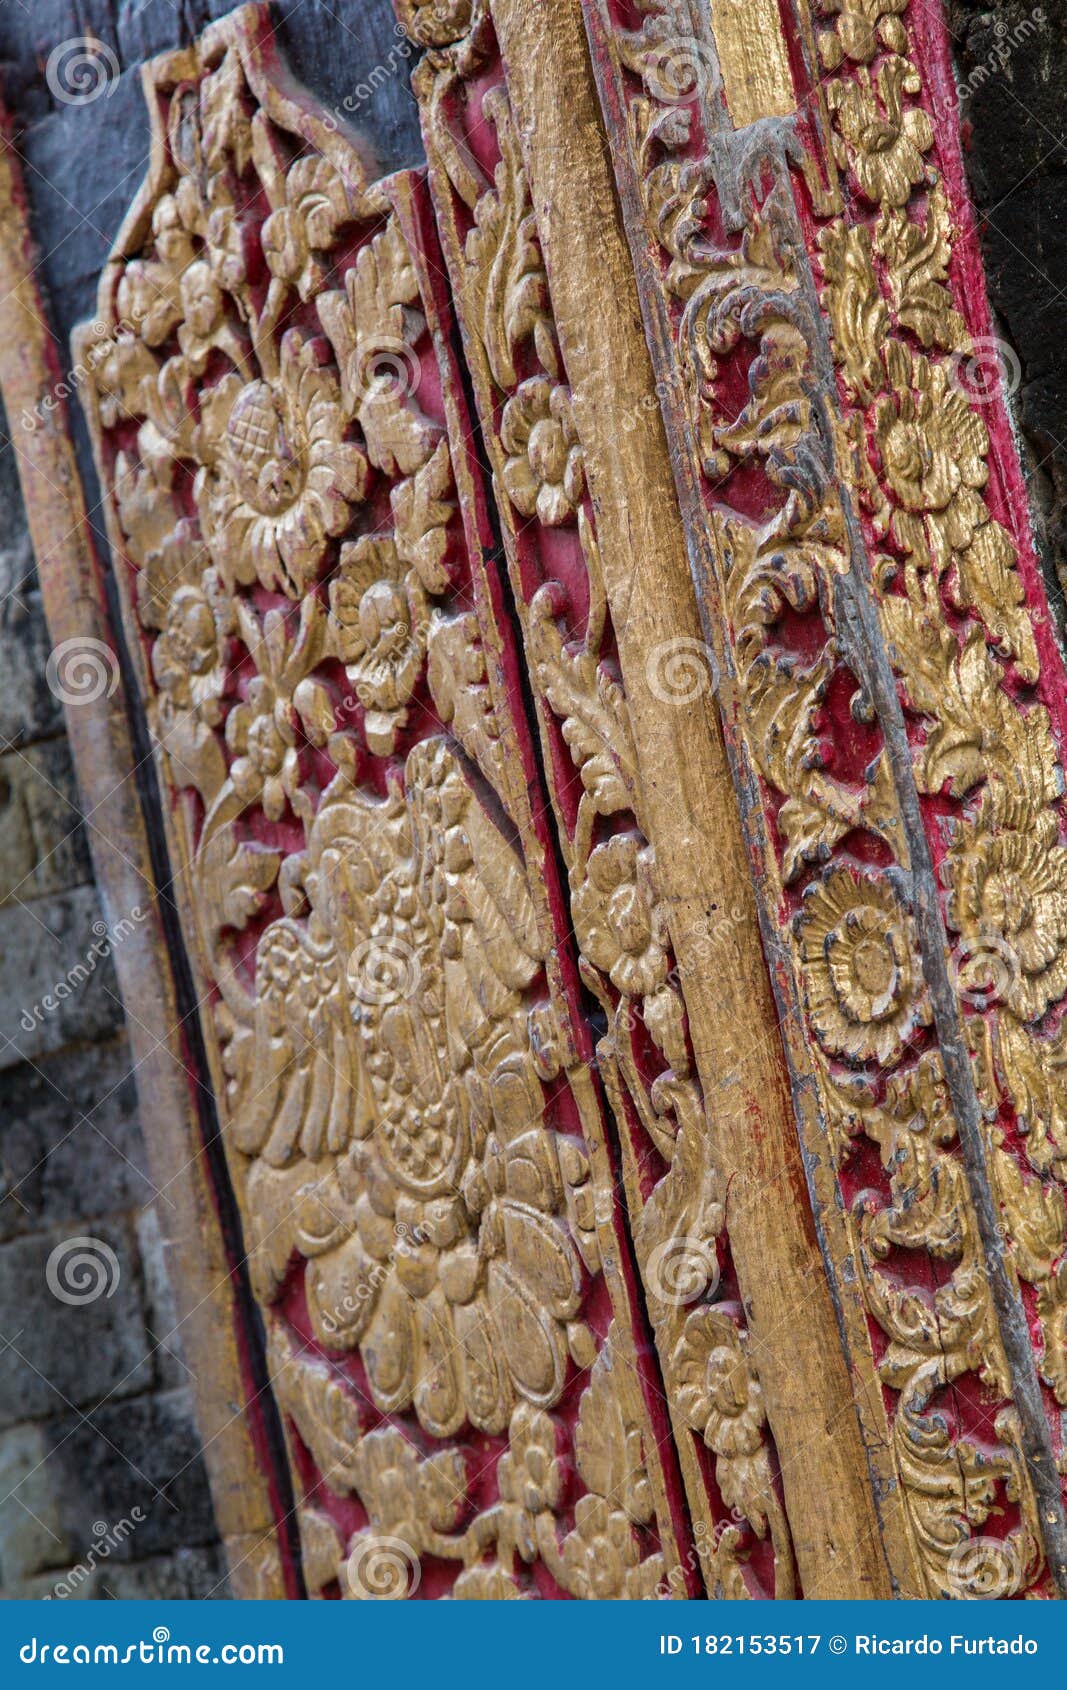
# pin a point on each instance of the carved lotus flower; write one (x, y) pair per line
(933, 447)
(618, 918)
(378, 622)
(1007, 880)
(881, 142)
(862, 978)
(279, 477)
(543, 473)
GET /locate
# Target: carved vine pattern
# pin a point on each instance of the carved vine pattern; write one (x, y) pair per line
(674, 1191)
(735, 229)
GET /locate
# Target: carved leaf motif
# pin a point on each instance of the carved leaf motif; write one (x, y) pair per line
(916, 255)
(508, 281)
(1034, 1071)
(988, 583)
(421, 511)
(858, 313)
(373, 326)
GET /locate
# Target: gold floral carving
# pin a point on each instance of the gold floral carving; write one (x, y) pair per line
(492, 242)
(414, 1143)
(894, 463)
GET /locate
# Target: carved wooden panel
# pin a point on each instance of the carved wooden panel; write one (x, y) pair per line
(608, 735)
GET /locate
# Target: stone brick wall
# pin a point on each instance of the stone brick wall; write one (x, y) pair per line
(102, 1486)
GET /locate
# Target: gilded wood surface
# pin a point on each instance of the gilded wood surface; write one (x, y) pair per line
(601, 1251)
(863, 569)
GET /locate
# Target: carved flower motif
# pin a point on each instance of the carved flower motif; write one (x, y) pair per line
(602, 1554)
(717, 1391)
(543, 473)
(618, 918)
(529, 1478)
(280, 477)
(861, 25)
(379, 615)
(881, 142)
(187, 658)
(933, 448)
(721, 1398)
(262, 732)
(407, 1106)
(1007, 880)
(863, 981)
(314, 205)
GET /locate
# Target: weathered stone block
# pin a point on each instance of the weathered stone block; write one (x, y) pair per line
(31, 1532)
(187, 1575)
(57, 1354)
(43, 848)
(143, 1454)
(70, 1143)
(57, 979)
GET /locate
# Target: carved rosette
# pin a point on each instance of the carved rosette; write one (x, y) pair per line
(867, 572)
(415, 1143)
